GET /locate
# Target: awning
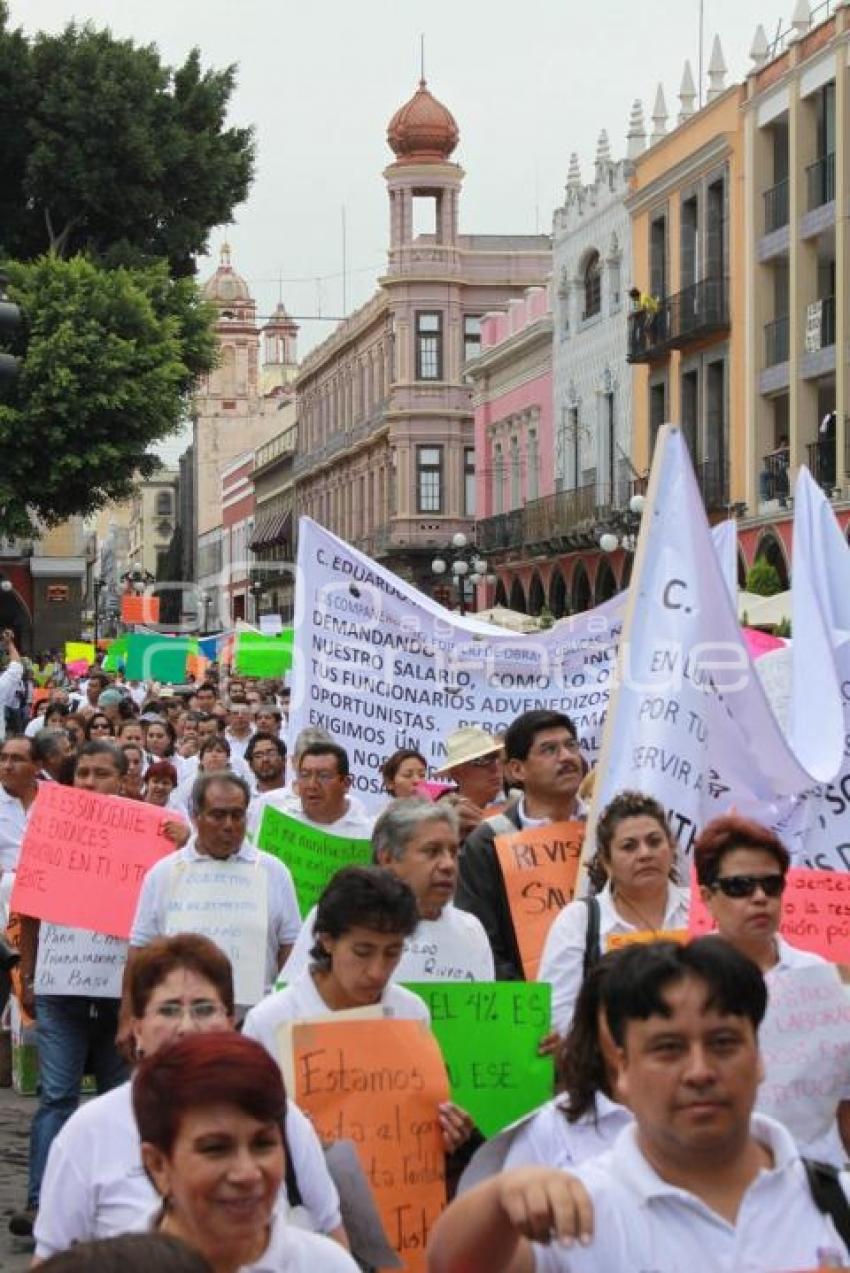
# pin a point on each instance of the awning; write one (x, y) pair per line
(269, 531)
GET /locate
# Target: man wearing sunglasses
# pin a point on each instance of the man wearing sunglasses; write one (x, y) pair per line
(741, 869)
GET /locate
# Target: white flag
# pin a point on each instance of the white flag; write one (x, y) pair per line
(689, 722)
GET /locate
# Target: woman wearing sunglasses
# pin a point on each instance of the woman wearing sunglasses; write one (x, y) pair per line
(741, 869)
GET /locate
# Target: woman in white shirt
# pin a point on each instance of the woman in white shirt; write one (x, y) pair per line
(635, 853)
(362, 920)
(210, 1113)
(95, 1185)
(741, 868)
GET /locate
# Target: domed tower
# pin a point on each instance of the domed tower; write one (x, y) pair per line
(280, 352)
(423, 135)
(236, 328)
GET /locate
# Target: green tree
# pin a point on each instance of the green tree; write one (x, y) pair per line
(110, 152)
(763, 578)
(110, 358)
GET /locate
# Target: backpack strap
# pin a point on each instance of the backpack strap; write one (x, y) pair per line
(828, 1196)
(592, 948)
(293, 1190)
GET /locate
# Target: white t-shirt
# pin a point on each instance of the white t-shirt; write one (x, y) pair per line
(562, 962)
(13, 823)
(95, 1185)
(641, 1223)
(284, 917)
(549, 1140)
(451, 948)
(301, 1001)
(355, 823)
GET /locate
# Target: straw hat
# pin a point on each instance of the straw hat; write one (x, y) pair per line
(467, 744)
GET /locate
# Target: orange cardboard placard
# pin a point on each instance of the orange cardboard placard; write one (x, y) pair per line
(84, 856)
(539, 867)
(136, 609)
(616, 941)
(378, 1084)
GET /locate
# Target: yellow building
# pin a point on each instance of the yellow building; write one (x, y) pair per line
(687, 331)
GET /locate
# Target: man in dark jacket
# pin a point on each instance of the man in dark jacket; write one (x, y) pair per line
(543, 757)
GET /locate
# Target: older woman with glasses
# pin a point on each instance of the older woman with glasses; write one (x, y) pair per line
(741, 869)
(95, 1185)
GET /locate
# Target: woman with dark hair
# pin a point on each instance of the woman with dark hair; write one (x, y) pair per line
(98, 725)
(636, 854)
(160, 782)
(160, 739)
(741, 868)
(130, 1253)
(94, 1185)
(403, 772)
(132, 782)
(210, 1114)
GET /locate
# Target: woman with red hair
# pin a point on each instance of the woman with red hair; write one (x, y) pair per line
(210, 1111)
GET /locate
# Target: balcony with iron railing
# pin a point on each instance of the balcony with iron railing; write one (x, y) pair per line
(689, 315)
(776, 344)
(820, 181)
(776, 208)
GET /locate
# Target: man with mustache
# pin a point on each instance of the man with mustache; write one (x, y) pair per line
(543, 757)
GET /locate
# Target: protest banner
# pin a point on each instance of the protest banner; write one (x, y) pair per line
(539, 867)
(152, 656)
(261, 654)
(489, 1033)
(815, 912)
(139, 609)
(76, 961)
(227, 902)
(84, 856)
(378, 1084)
(79, 652)
(311, 855)
(805, 1045)
(689, 722)
(116, 654)
(616, 941)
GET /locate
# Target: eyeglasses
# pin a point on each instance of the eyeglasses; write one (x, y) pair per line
(745, 885)
(324, 776)
(200, 1010)
(484, 762)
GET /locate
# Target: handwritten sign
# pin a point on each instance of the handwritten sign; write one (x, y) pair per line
(378, 1084)
(74, 961)
(488, 1033)
(815, 912)
(84, 857)
(312, 856)
(805, 1045)
(227, 902)
(79, 652)
(616, 941)
(539, 867)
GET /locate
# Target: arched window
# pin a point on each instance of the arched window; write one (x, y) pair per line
(558, 595)
(592, 286)
(501, 597)
(581, 589)
(770, 550)
(606, 584)
(517, 597)
(536, 595)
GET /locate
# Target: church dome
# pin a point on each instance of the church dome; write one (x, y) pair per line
(226, 287)
(423, 131)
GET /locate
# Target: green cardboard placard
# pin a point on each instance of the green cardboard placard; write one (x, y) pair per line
(312, 856)
(159, 658)
(258, 654)
(115, 655)
(489, 1032)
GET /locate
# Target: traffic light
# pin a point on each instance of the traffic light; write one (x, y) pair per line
(10, 325)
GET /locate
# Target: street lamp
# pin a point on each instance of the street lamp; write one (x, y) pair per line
(97, 588)
(624, 527)
(206, 601)
(137, 579)
(257, 590)
(465, 564)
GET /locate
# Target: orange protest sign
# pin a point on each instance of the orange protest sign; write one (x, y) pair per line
(815, 912)
(84, 857)
(378, 1084)
(196, 666)
(136, 609)
(616, 941)
(539, 867)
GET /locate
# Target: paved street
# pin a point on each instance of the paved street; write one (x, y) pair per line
(15, 1114)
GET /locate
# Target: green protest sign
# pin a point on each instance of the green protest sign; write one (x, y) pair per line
(115, 655)
(312, 855)
(259, 654)
(489, 1032)
(159, 658)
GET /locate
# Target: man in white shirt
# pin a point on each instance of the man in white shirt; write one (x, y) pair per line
(220, 801)
(10, 681)
(697, 1182)
(240, 728)
(543, 756)
(322, 800)
(418, 842)
(18, 790)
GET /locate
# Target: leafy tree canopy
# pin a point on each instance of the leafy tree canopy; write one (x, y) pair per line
(108, 151)
(110, 358)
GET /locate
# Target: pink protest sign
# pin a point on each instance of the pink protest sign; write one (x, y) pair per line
(431, 790)
(815, 912)
(759, 643)
(84, 857)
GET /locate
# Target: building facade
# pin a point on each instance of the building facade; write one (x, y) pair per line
(153, 509)
(385, 437)
(275, 514)
(237, 528)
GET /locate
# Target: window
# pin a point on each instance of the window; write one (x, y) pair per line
(689, 268)
(658, 257)
(429, 478)
(163, 504)
(498, 479)
(690, 410)
(471, 336)
(532, 462)
(657, 410)
(592, 286)
(429, 346)
(614, 285)
(516, 493)
(469, 481)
